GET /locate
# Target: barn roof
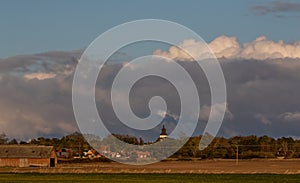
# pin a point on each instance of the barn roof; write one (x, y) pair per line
(25, 151)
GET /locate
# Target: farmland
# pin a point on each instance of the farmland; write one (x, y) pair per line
(258, 170)
(257, 166)
(149, 178)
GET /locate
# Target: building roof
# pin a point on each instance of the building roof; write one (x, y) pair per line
(25, 151)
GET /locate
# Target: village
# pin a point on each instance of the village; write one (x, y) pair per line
(28, 155)
(73, 148)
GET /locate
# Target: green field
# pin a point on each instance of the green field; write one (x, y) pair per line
(149, 178)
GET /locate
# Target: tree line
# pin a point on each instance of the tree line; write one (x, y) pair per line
(245, 147)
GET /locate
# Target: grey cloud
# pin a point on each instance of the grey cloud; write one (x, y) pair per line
(276, 7)
(32, 107)
(263, 119)
(258, 92)
(290, 116)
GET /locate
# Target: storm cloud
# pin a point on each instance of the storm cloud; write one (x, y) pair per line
(263, 94)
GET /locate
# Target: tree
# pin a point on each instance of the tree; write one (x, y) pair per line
(23, 143)
(13, 141)
(141, 141)
(3, 138)
(193, 144)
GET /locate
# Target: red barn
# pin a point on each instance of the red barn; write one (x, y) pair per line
(27, 155)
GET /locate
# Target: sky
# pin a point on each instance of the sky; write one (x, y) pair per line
(257, 43)
(33, 26)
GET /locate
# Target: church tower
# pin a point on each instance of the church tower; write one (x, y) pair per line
(163, 133)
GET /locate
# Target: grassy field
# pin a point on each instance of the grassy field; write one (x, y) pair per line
(149, 178)
(182, 167)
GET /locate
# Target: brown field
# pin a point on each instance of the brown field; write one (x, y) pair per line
(206, 167)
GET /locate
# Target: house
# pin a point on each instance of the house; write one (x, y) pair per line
(142, 154)
(90, 153)
(104, 149)
(27, 155)
(64, 153)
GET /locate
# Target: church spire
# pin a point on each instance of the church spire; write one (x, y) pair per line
(163, 133)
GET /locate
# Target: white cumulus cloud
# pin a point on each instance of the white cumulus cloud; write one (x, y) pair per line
(262, 48)
(224, 46)
(198, 50)
(228, 47)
